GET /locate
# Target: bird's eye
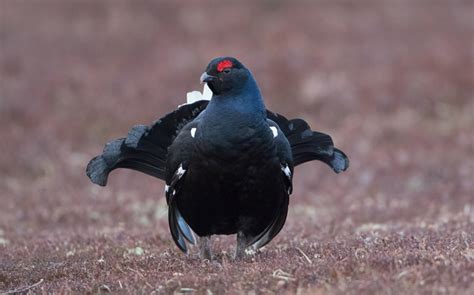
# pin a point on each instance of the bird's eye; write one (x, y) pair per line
(226, 71)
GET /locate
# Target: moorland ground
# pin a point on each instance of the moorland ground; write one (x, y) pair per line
(391, 81)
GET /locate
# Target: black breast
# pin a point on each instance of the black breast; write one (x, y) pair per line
(232, 185)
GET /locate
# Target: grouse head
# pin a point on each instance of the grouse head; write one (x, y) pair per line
(226, 75)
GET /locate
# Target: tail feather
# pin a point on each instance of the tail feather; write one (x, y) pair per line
(319, 141)
(308, 145)
(339, 161)
(117, 154)
(97, 170)
(334, 158)
(145, 148)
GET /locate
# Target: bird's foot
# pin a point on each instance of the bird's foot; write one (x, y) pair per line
(205, 249)
(241, 250)
(238, 255)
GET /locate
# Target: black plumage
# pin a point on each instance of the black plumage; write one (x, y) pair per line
(228, 163)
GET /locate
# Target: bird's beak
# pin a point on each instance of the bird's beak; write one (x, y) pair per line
(205, 78)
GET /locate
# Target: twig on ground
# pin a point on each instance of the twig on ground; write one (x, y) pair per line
(304, 255)
(280, 274)
(136, 271)
(23, 289)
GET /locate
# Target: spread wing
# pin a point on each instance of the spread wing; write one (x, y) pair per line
(180, 230)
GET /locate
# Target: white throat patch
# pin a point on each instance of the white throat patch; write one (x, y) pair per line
(274, 131)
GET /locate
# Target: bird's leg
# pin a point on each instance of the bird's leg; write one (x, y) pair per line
(205, 250)
(241, 245)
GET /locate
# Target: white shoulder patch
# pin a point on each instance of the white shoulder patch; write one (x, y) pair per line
(167, 188)
(180, 171)
(286, 170)
(274, 131)
(193, 131)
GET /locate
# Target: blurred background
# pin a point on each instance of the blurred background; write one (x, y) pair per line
(391, 81)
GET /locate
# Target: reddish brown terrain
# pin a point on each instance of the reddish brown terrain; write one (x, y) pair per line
(392, 81)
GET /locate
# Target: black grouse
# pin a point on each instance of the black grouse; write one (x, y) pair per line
(228, 162)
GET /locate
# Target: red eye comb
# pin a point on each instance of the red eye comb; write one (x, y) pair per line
(224, 65)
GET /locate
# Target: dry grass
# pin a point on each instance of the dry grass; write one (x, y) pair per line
(391, 81)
